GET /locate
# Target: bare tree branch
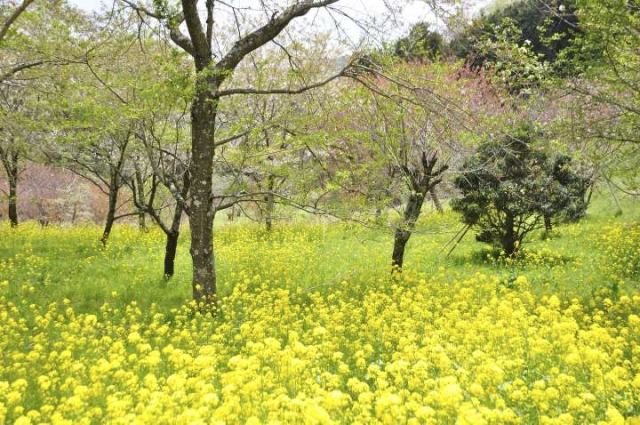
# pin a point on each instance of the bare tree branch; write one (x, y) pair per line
(232, 92)
(12, 18)
(173, 23)
(19, 68)
(266, 33)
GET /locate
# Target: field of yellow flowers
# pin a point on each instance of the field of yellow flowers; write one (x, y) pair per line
(313, 329)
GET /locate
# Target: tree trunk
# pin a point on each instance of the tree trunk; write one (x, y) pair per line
(403, 233)
(172, 241)
(10, 162)
(421, 182)
(13, 200)
(548, 226)
(436, 200)
(203, 118)
(142, 225)
(170, 254)
(509, 241)
(399, 243)
(111, 211)
(74, 213)
(268, 217)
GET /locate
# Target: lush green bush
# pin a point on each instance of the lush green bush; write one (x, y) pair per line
(510, 187)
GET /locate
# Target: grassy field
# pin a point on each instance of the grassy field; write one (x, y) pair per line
(313, 329)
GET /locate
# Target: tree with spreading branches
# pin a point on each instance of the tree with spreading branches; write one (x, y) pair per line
(213, 72)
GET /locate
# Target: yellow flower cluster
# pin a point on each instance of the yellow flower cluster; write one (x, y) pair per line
(414, 351)
(622, 251)
(442, 348)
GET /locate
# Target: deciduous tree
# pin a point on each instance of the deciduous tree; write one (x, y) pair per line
(211, 72)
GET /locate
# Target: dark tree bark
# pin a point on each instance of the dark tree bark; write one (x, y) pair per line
(548, 226)
(509, 241)
(411, 215)
(10, 163)
(139, 188)
(173, 233)
(270, 203)
(170, 254)
(421, 181)
(114, 189)
(203, 118)
(116, 180)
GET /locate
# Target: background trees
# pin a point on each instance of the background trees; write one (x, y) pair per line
(210, 121)
(38, 41)
(606, 91)
(400, 127)
(212, 70)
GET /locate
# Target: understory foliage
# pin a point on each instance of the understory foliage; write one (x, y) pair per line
(311, 329)
(511, 187)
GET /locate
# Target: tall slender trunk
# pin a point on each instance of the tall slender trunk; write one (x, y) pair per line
(436, 200)
(13, 198)
(173, 235)
(111, 208)
(269, 198)
(203, 118)
(142, 225)
(403, 233)
(10, 163)
(548, 226)
(74, 213)
(170, 254)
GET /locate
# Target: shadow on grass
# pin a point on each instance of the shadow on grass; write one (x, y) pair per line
(527, 257)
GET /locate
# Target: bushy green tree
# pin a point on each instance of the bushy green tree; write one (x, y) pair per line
(547, 28)
(420, 44)
(606, 94)
(511, 187)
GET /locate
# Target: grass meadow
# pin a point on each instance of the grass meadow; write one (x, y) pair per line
(312, 328)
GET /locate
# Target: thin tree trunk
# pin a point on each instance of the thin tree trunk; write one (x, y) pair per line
(548, 226)
(403, 233)
(74, 213)
(172, 240)
(111, 209)
(13, 199)
(170, 254)
(142, 225)
(203, 118)
(10, 163)
(268, 218)
(436, 200)
(421, 183)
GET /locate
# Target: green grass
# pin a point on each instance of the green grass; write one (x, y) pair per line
(313, 328)
(69, 263)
